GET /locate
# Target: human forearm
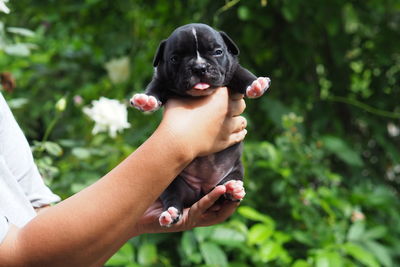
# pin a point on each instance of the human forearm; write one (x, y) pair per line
(83, 229)
(102, 215)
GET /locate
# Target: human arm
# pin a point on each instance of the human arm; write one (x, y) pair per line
(204, 212)
(100, 218)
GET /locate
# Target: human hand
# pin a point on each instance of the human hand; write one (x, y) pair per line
(206, 125)
(204, 212)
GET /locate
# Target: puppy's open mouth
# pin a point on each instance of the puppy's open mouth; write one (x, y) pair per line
(201, 89)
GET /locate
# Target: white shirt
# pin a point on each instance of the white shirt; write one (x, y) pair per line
(21, 187)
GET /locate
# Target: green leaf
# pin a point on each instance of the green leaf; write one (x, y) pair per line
(258, 233)
(81, 153)
(287, 13)
(303, 237)
(254, 215)
(228, 237)
(270, 251)
(53, 148)
(328, 259)
(351, 20)
(21, 31)
(189, 247)
(301, 263)
(381, 253)
(147, 254)
(281, 237)
(356, 231)
(376, 232)
(321, 261)
(275, 110)
(202, 233)
(244, 13)
(343, 151)
(360, 254)
(188, 243)
(213, 254)
(16, 103)
(18, 50)
(124, 256)
(274, 156)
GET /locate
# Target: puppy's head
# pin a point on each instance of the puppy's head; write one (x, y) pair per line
(195, 59)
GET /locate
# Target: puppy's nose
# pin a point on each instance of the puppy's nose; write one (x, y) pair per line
(200, 68)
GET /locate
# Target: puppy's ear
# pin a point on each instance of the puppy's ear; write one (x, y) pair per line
(232, 47)
(159, 53)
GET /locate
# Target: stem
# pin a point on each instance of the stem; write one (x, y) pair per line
(227, 6)
(365, 107)
(51, 126)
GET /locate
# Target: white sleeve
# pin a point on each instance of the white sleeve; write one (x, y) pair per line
(4, 225)
(18, 156)
(35, 190)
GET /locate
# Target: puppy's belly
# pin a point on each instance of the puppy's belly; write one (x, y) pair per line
(204, 173)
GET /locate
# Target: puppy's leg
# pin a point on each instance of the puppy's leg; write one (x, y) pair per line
(245, 82)
(234, 184)
(234, 190)
(173, 199)
(151, 100)
(258, 87)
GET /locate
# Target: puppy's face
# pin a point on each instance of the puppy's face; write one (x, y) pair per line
(195, 60)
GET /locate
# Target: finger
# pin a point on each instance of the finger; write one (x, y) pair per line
(238, 124)
(236, 107)
(238, 137)
(211, 218)
(208, 200)
(236, 96)
(227, 210)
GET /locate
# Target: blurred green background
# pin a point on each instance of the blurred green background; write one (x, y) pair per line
(322, 156)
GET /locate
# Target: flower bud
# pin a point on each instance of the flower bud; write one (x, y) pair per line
(61, 104)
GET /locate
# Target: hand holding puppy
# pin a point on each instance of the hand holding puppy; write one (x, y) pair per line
(202, 213)
(208, 124)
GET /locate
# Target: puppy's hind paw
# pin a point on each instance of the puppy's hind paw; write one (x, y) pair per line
(234, 190)
(145, 102)
(169, 217)
(258, 87)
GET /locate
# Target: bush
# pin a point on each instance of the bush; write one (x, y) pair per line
(322, 154)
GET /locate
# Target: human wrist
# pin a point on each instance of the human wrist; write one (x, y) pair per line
(171, 137)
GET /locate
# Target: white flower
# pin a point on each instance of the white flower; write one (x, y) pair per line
(118, 69)
(393, 130)
(109, 115)
(3, 7)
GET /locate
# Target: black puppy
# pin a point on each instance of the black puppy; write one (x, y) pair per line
(194, 61)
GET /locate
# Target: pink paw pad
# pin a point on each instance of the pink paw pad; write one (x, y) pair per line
(169, 217)
(235, 190)
(145, 102)
(258, 87)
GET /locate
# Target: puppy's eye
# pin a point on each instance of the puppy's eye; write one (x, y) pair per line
(174, 59)
(218, 52)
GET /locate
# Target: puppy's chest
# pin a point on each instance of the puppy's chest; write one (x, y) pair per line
(204, 173)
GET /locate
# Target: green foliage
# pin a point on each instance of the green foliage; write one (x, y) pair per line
(322, 156)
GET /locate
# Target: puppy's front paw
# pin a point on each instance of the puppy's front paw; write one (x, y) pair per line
(258, 87)
(234, 190)
(145, 102)
(169, 217)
